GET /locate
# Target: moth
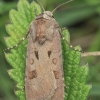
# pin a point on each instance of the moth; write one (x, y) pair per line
(44, 79)
(44, 68)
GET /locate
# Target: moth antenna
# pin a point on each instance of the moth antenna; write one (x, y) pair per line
(61, 5)
(41, 5)
(18, 42)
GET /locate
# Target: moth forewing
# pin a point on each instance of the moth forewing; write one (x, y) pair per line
(44, 68)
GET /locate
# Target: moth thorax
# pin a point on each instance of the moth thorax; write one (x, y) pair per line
(41, 38)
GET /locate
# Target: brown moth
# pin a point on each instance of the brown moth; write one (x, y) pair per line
(44, 78)
(44, 68)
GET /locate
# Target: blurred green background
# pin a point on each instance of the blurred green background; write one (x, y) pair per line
(82, 17)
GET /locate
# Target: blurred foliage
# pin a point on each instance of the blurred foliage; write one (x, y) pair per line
(82, 17)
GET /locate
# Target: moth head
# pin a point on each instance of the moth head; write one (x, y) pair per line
(48, 13)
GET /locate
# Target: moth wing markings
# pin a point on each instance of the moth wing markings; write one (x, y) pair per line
(33, 85)
(48, 80)
(44, 85)
(56, 51)
(44, 47)
(38, 86)
(58, 67)
(30, 67)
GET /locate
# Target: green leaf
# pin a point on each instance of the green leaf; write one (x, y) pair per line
(75, 76)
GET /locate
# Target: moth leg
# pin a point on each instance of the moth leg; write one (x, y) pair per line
(25, 36)
(62, 36)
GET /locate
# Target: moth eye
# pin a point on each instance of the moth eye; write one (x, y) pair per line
(36, 54)
(49, 53)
